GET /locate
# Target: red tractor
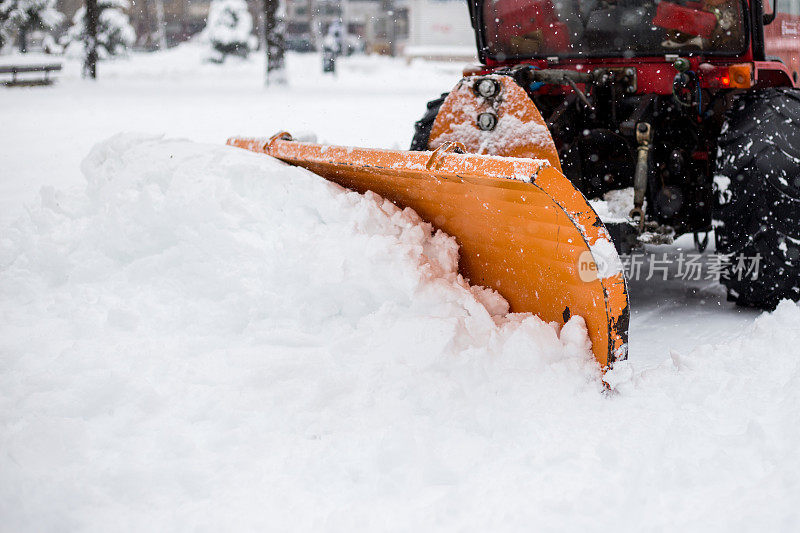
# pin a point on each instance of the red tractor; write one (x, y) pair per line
(676, 100)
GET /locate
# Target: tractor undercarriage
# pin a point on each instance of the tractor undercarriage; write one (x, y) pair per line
(603, 135)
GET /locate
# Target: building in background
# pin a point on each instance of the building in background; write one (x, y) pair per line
(370, 25)
(440, 29)
(422, 27)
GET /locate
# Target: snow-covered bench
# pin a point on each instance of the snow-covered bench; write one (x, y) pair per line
(32, 74)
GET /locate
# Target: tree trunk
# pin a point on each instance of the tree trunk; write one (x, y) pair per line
(90, 44)
(276, 45)
(161, 25)
(313, 28)
(390, 22)
(23, 39)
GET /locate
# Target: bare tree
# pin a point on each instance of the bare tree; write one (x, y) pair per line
(274, 27)
(161, 34)
(389, 25)
(90, 44)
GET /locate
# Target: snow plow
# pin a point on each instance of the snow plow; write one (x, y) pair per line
(675, 103)
(522, 228)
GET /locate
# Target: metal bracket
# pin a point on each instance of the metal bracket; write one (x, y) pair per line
(444, 148)
(644, 136)
(282, 135)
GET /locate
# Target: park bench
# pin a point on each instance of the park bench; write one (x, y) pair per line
(41, 74)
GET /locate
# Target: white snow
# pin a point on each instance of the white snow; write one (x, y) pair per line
(721, 188)
(615, 206)
(606, 258)
(193, 337)
(16, 14)
(174, 92)
(114, 31)
(229, 22)
(220, 322)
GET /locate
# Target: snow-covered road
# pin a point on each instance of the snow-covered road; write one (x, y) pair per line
(162, 368)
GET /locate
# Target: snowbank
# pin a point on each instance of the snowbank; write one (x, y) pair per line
(207, 339)
(47, 131)
(615, 207)
(207, 320)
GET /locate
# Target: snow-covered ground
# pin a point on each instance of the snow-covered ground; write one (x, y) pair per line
(197, 338)
(371, 102)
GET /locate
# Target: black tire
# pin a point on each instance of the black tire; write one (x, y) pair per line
(422, 127)
(757, 190)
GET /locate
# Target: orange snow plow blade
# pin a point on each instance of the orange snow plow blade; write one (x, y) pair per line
(522, 228)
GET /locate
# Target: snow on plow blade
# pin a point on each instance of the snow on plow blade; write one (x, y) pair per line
(522, 228)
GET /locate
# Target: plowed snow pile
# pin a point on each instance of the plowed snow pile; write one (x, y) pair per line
(207, 339)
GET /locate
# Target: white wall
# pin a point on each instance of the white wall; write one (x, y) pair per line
(440, 23)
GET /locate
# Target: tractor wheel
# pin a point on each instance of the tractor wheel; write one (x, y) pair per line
(757, 204)
(422, 127)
